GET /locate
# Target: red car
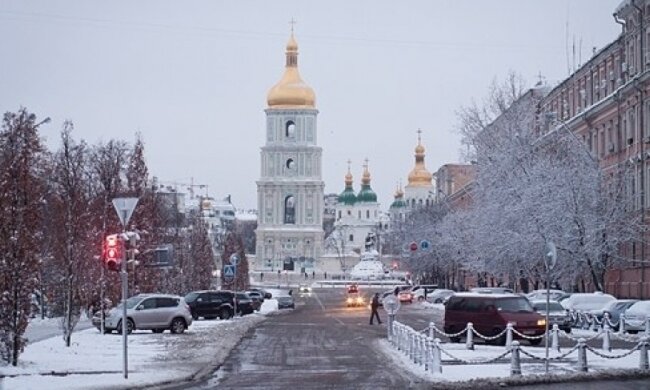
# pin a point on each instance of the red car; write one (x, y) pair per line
(490, 313)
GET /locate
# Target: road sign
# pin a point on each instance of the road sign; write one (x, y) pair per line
(391, 304)
(228, 273)
(425, 245)
(234, 259)
(124, 208)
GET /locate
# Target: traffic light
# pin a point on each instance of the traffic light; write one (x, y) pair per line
(114, 252)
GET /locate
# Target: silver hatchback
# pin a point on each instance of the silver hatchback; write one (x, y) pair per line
(156, 312)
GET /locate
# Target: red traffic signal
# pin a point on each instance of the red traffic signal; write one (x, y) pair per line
(413, 246)
(114, 252)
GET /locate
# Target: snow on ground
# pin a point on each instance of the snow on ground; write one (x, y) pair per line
(95, 360)
(463, 372)
(40, 329)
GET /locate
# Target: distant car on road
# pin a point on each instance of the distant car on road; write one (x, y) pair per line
(304, 289)
(286, 302)
(354, 299)
(211, 304)
(404, 293)
(257, 297)
(155, 312)
(353, 288)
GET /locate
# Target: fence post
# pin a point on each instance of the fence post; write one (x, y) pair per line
(643, 354)
(606, 346)
(432, 330)
(428, 355)
(469, 344)
(582, 355)
(508, 335)
(555, 341)
(411, 345)
(423, 351)
(416, 349)
(436, 364)
(515, 363)
(606, 320)
(621, 324)
(647, 326)
(592, 323)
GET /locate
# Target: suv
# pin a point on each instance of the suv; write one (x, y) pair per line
(211, 304)
(490, 313)
(149, 311)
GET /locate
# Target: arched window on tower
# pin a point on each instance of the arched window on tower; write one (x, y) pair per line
(290, 130)
(290, 210)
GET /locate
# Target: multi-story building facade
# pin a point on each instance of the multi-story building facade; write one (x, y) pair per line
(605, 103)
(290, 189)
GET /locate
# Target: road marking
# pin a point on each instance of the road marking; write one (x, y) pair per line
(319, 302)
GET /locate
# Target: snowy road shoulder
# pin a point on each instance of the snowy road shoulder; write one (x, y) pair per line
(95, 360)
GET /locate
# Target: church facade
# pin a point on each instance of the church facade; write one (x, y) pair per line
(290, 189)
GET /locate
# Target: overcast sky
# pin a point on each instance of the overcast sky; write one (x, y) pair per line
(192, 76)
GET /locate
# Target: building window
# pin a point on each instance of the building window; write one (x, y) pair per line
(290, 210)
(339, 214)
(359, 214)
(349, 212)
(290, 129)
(351, 238)
(367, 214)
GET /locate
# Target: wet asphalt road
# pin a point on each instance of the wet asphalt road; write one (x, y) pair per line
(323, 344)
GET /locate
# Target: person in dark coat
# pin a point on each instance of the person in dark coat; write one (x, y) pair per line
(373, 306)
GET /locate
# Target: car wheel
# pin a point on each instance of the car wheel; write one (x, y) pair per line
(129, 326)
(632, 331)
(535, 341)
(107, 331)
(568, 329)
(178, 326)
(158, 330)
(420, 299)
(224, 314)
(196, 316)
(210, 317)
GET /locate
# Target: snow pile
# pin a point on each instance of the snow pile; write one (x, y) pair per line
(95, 360)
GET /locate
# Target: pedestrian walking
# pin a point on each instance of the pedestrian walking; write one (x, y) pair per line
(373, 306)
(261, 276)
(313, 274)
(325, 275)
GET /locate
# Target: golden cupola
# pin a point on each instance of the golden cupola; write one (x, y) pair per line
(419, 176)
(291, 91)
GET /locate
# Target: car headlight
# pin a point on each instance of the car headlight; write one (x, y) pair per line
(541, 322)
(360, 300)
(349, 300)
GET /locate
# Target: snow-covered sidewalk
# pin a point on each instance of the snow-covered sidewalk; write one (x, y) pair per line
(95, 360)
(460, 365)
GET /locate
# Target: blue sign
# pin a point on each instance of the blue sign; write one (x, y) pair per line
(228, 273)
(425, 245)
(234, 259)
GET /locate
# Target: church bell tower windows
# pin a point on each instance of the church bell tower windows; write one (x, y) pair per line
(290, 130)
(290, 210)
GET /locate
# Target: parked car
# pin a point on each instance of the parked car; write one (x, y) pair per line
(257, 297)
(211, 304)
(304, 289)
(265, 294)
(245, 304)
(490, 313)
(636, 315)
(155, 312)
(540, 295)
(492, 290)
(422, 291)
(440, 295)
(286, 302)
(616, 308)
(587, 302)
(557, 314)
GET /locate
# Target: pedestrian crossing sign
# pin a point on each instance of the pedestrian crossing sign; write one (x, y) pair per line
(229, 272)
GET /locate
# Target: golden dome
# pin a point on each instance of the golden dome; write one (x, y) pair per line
(348, 176)
(291, 91)
(419, 176)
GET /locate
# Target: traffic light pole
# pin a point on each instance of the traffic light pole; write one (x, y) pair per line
(125, 286)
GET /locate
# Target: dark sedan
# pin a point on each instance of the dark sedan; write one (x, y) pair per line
(286, 302)
(245, 304)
